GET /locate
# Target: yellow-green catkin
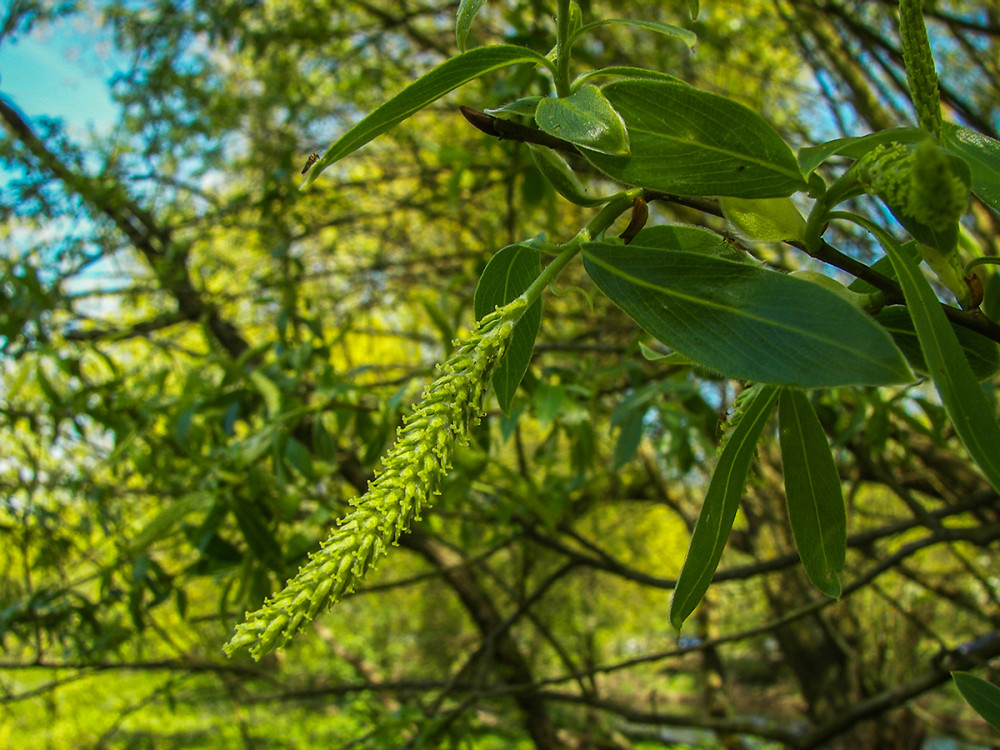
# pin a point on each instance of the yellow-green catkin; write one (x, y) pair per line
(921, 76)
(917, 180)
(411, 476)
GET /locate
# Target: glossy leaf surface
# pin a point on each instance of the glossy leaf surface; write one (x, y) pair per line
(983, 156)
(687, 141)
(741, 320)
(585, 119)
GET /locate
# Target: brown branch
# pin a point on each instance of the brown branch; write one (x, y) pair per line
(142, 328)
(963, 657)
(513, 131)
(515, 667)
(974, 320)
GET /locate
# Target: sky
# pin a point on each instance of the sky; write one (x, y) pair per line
(62, 71)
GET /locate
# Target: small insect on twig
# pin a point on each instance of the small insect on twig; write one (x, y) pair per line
(313, 158)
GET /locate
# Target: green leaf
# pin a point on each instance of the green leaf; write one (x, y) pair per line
(259, 538)
(694, 9)
(812, 492)
(624, 71)
(467, 11)
(299, 458)
(764, 219)
(983, 156)
(505, 277)
(715, 521)
(743, 321)
(526, 106)
(674, 32)
(270, 392)
(430, 87)
(548, 400)
(164, 522)
(981, 353)
(629, 437)
(981, 695)
(558, 174)
(968, 408)
(667, 237)
(687, 141)
(585, 119)
(811, 157)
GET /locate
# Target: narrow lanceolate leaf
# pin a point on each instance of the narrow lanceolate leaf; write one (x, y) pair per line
(584, 119)
(711, 531)
(687, 141)
(467, 11)
(970, 411)
(855, 147)
(981, 695)
(741, 320)
(425, 90)
(505, 277)
(812, 492)
(981, 353)
(983, 156)
(674, 32)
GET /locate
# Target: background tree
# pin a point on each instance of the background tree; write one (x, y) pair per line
(203, 365)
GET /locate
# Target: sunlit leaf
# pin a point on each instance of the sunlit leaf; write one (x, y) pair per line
(267, 389)
(686, 36)
(558, 174)
(688, 141)
(982, 154)
(427, 89)
(467, 11)
(584, 119)
(764, 219)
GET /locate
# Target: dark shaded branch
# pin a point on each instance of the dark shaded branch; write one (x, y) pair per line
(961, 658)
(601, 560)
(142, 328)
(754, 726)
(514, 666)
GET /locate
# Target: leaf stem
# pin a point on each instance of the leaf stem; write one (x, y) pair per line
(614, 208)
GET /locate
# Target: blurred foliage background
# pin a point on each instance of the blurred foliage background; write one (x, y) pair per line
(201, 365)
